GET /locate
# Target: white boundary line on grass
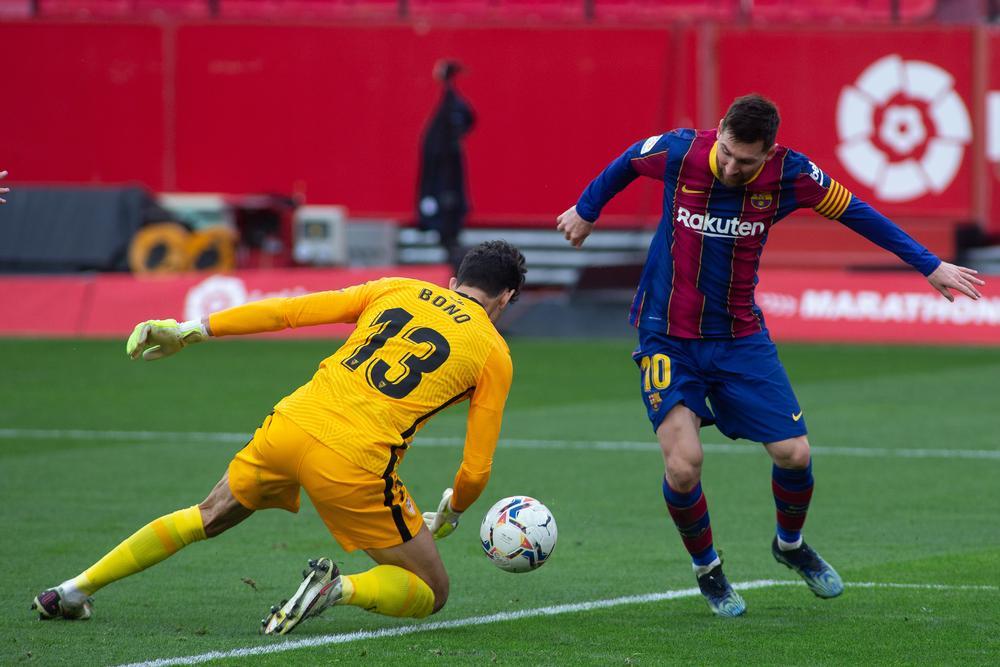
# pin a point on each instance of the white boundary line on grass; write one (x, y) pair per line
(577, 445)
(325, 640)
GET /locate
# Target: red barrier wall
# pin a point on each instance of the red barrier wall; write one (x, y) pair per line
(84, 103)
(102, 305)
(798, 305)
(811, 74)
(990, 198)
(837, 306)
(336, 111)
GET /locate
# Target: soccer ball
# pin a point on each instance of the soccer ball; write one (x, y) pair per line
(518, 534)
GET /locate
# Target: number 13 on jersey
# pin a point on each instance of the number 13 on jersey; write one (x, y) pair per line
(429, 350)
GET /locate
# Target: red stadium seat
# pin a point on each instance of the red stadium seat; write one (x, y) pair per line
(859, 11)
(295, 9)
(449, 9)
(965, 11)
(16, 9)
(776, 11)
(124, 8)
(503, 10)
(909, 10)
(86, 8)
(665, 10)
(176, 8)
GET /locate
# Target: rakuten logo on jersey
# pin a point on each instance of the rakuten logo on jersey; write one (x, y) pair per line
(710, 225)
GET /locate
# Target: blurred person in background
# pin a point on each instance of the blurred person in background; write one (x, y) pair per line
(442, 196)
(3, 191)
(701, 334)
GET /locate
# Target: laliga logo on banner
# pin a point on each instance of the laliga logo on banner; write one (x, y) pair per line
(902, 128)
(212, 294)
(220, 292)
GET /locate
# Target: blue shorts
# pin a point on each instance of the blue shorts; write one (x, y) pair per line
(747, 390)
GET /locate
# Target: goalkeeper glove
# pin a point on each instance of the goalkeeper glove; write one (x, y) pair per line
(443, 522)
(155, 339)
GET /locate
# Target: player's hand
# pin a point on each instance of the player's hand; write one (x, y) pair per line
(443, 522)
(155, 339)
(3, 191)
(574, 227)
(959, 278)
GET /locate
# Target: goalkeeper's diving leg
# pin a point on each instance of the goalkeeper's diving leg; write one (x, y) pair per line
(409, 581)
(149, 545)
(363, 511)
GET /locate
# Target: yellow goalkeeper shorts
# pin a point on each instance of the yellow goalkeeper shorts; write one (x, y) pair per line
(361, 509)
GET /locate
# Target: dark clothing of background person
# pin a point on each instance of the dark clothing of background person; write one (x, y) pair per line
(442, 200)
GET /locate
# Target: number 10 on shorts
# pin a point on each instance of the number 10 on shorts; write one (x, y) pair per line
(655, 372)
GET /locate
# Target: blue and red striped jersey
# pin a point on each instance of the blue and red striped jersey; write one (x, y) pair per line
(701, 270)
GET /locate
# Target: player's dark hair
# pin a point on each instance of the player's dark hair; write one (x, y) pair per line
(493, 266)
(752, 118)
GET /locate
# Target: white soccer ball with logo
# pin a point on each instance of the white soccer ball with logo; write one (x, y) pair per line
(518, 534)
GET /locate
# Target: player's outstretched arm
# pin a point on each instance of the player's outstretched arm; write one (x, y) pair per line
(444, 521)
(156, 339)
(3, 191)
(574, 227)
(947, 277)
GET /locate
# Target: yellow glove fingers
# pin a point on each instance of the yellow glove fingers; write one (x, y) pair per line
(443, 522)
(445, 530)
(137, 341)
(444, 505)
(156, 339)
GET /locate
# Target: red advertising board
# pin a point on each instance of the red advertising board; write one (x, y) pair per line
(837, 306)
(109, 305)
(991, 178)
(886, 112)
(798, 305)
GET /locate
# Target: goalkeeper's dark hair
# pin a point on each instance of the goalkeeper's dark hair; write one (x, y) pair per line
(752, 118)
(493, 266)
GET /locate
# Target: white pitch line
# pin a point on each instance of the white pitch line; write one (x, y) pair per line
(326, 640)
(922, 587)
(83, 434)
(576, 445)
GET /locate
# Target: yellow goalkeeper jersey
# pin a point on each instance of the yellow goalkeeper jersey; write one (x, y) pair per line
(417, 348)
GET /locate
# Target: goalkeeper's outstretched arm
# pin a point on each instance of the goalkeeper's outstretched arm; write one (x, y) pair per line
(298, 311)
(156, 339)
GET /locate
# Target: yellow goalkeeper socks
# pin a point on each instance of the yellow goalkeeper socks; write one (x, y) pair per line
(389, 590)
(147, 546)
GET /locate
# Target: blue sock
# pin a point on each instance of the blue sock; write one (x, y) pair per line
(690, 514)
(792, 492)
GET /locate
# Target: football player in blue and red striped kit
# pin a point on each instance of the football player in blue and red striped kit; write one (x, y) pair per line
(701, 335)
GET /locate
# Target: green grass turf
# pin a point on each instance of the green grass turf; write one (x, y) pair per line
(67, 500)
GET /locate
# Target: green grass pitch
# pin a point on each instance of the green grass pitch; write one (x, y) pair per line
(906, 458)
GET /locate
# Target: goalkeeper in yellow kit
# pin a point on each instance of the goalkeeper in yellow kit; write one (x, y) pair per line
(417, 349)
